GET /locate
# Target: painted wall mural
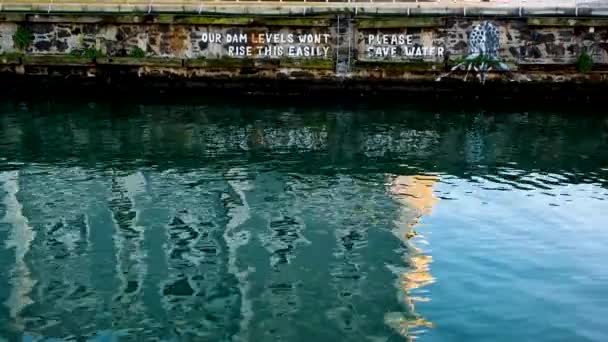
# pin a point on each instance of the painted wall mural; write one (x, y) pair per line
(484, 53)
(484, 40)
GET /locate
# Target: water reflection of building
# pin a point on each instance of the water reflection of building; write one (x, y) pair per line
(128, 243)
(199, 296)
(49, 240)
(415, 193)
(20, 239)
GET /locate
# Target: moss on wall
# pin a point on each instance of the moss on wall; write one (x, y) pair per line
(242, 20)
(221, 63)
(399, 66)
(138, 61)
(316, 64)
(62, 60)
(11, 58)
(568, 22)
(171, 19)
(379, 23)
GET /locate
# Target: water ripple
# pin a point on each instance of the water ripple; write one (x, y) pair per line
(225, 223)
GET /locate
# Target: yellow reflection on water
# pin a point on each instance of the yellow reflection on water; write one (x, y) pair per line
(415, 193)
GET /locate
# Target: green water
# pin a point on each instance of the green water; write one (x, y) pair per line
(260, 222)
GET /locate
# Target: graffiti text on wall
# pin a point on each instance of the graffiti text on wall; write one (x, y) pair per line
(399, 45)
(272, 44)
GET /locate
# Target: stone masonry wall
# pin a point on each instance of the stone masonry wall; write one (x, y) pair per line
(362, 41)
(520, 42)
(172, 41)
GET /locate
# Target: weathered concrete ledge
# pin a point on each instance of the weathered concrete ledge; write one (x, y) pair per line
(345, 52)
(295, 8)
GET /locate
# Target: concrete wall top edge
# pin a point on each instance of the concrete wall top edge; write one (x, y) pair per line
(387, 9)
(364, 20)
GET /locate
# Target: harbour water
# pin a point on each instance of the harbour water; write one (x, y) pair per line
(262, 222)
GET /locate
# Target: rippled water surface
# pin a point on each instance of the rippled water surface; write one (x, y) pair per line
(271, 223)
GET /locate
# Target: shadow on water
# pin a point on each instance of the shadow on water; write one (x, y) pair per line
(250, 222)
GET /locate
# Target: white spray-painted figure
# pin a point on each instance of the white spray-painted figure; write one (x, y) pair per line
(484, 45)
(484, 41)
